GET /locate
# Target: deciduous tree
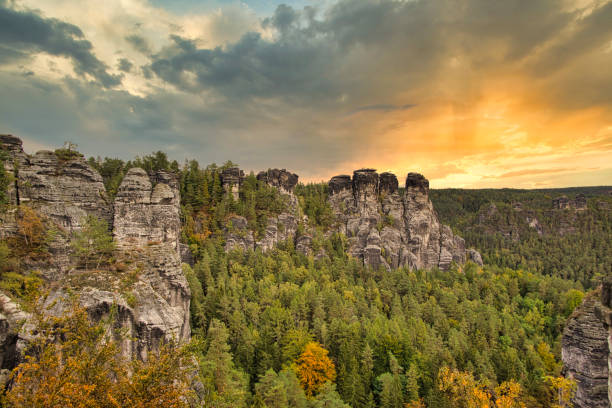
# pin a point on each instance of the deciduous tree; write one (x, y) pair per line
(314, 368)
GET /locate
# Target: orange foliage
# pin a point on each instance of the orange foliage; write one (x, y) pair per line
(314, 368)
(74, 364)
(31, 227)
(464, 391)
(418, 403)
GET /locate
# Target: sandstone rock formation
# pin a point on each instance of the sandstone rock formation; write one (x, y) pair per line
(391, 229)
(147, 216)
(150, 291)
(13, 339)
(145, 213)
(237, 234)
(383, 226)
(279, 228)
(231, 179)
(587, 349)
(563, 203)
(281, 179)
(65, 191)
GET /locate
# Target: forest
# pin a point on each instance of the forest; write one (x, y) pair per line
(281, 329)
(571, 244)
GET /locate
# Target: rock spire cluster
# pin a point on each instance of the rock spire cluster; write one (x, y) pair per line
(389, 228)
(143, 218)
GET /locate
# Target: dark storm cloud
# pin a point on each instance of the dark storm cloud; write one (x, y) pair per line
(139, 43)
(251, 67)
(368, 49)
(124, 65)
(26, 33)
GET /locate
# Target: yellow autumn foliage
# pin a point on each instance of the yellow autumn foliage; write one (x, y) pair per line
(314, 368)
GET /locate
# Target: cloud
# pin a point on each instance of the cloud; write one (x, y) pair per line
(26, 33)
(384, 107)
(139, 43)
(531, 172)
(124, 65)
(458, 90)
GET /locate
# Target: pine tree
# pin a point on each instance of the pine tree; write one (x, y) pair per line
(224, 385)
(93, 242)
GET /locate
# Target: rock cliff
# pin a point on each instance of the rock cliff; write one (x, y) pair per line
(384, 227)
(146, 284)
(279, 228)
(587, 349)
(391, 229)
(64, 190)
(563, 203)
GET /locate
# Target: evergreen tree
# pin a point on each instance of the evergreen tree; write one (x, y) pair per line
(93, 243)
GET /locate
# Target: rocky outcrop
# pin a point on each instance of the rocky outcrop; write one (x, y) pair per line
(13, 335)
(474, 256)
(563, 203)
(64, 190)
(147, 213)
(146, 284)
(237, 234)
(587, 349)
(386, 228)
(147, 217)
(278, 228)
(281, 179)
(231, 179)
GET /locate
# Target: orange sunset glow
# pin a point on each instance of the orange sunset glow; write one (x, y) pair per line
(472, 94)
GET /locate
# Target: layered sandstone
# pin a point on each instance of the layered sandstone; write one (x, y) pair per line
(149, 290)
(279, 228)
(587, 349)
(386, 228)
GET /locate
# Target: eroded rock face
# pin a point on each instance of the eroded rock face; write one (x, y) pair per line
(387, 229)
(339, 183)
(586, 349)
(145, 213)
(13, 337)
(147, 216)
(281, 179)
(237, 234)
(146, 226)
(231, 179)
(279, 228)
(388, 183)
(65, 191)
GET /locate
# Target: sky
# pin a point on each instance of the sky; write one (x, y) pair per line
(470, 93)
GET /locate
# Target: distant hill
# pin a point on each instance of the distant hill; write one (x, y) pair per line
(565, 232)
